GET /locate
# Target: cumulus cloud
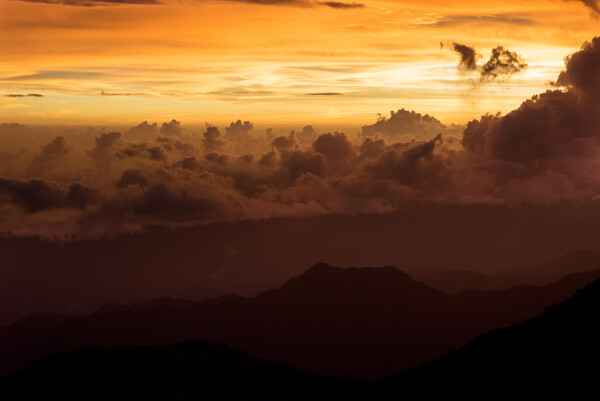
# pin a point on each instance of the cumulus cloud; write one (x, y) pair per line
(546, 150)
(51, 154)
(172, 128)
(36, 195)
(285, 142)
(238, 130)
(404, 122)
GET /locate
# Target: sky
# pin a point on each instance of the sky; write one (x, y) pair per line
(273, 62)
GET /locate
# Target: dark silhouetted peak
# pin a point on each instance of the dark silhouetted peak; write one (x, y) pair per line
(325, 279)
(551, 357)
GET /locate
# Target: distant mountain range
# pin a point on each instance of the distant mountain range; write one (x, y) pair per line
(76, 277)
(550, 357)
(454, 280)
(362, 322)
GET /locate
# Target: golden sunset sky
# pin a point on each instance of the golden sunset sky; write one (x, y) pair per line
(282, 62)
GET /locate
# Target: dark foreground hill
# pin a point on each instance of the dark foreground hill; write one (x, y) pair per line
(362, 322)
(184, 371)
(551, 357)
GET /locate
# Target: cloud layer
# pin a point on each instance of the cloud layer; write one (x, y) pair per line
(96, 183)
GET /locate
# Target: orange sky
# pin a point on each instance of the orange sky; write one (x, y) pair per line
(217, 61)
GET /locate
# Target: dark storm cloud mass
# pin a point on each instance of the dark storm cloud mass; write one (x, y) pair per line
(544, 152)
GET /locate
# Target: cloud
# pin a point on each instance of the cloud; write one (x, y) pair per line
(468, 56)
(51, 154)
(92, 3)
(44, 75)
(212, 140)
(238, 130)
(502, 63)
(172, 128)
(510, 19)
(580, 75)
(24, 95)
(545, 151)
(341, 5)
(324, 94)
(101, 152)
(592, 5)
(404, 122)
(132, 177)
(103, 93)
(37, 195)
(285, 142)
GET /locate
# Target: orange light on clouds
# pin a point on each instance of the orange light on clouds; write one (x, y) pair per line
(218, 61)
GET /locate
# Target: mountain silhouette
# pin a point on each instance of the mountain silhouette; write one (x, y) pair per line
(452, 281)
(362, 322)
(183, 371)
(76, 277)
(551, 357)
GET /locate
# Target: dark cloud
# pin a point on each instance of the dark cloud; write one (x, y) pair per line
(285, 142)
(580, 75)
(325, 94)
(502, 64)
(300, 162)
(51, 154)
(341, 5)
(132, 177)
(141, 150)
(403, 122)
(468, 56)
(144, 128)
(335, 147)
(92, 3)
(101, 152)
(592, 5)
(24, 95)
(37, 195)
(412, 164)
(172, 128)
(212, 140)
(238, 130)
